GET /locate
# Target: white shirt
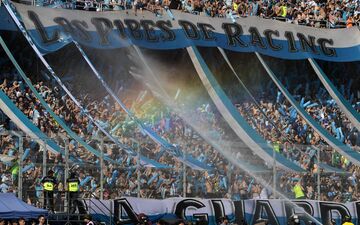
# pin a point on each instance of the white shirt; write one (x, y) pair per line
(36, 116)
(264, 194)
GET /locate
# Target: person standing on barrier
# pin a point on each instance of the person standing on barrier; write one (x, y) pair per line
(49, 182)
(73, 184)
(298, 190)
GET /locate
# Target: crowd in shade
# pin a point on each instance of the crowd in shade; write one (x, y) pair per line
(313, 13)
(274, 119)
(279, 123)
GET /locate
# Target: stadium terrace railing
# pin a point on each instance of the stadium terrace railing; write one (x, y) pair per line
(29, 188)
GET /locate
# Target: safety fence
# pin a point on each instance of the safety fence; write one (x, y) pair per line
(25, 164)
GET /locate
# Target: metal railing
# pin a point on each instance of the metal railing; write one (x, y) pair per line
(84, 204)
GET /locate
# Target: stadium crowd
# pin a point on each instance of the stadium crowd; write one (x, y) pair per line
(300, 143)
(281, 123)
(314, 13)
(296, 140)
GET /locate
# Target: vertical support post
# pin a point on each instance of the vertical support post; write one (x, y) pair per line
(138, 165)
(111, 212)
(44, 161)
(184, 178)
(102, 169)
(21, 153)
(66, 161)
(274, 172)
(318, 174)
(20, 181)
(44, 171)
(66, 141)
(229, 175)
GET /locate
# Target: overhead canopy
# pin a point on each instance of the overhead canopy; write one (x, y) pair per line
(12, 207)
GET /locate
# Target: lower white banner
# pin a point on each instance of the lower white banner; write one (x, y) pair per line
(211, 211)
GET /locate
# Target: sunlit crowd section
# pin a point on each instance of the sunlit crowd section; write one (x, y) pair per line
(319, 13)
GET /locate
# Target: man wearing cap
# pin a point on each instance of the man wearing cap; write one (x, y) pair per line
(49, 183)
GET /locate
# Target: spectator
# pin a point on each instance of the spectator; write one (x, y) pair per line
(88, 220)
(22, 221)
(298, 190)
(42, 220)
(224, 221)
(331, 14)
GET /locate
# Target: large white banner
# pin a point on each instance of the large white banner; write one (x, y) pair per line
(276, 212)
(53, 28)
